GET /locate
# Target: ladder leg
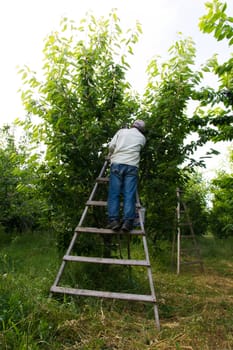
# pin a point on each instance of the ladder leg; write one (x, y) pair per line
(150, 278)
(149, 271)
(58, 277)
(182, 208)
(119, 244)
(63, 262)
(178, 252)
(128, 246)
(129, 256)
(173, 255)
(156, 314)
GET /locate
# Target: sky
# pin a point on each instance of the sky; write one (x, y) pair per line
(25, 24)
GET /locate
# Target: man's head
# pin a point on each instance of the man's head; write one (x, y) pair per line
(140, 125)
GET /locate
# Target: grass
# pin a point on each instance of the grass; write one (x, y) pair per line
(195, 308)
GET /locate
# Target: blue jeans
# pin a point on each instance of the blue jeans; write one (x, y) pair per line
(123, 180)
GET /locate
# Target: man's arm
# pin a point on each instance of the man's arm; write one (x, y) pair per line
(112, 144)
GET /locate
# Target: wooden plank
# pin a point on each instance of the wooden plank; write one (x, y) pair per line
(102, 294)
(98, 260)
(187, 236)
(191, 262)
(105, 203)
(102, 179)
(189, 250)
(97, 203)
(107, 231)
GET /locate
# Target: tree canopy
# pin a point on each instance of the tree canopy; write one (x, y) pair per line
(83, 97)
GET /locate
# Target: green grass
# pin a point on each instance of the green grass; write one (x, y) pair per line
(195, 308)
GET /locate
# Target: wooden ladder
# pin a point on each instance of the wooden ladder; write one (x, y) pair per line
(80, 229)
(190, 255)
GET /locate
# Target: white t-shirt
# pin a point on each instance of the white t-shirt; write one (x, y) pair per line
(126, 145)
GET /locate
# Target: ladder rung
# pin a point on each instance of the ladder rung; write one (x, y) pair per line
(105, 203)
(106, 260)
(188, 250)
(102, 294)
(191, 262)
(107, 231)
(187, 236)
(102, 179)
(97, 203)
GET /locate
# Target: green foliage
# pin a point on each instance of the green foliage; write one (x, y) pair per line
(195, 197)
(217, 21)
(19, 208)
(218, 121)
(82, 98)
(81, 102)
(165, 100)
(221, 223)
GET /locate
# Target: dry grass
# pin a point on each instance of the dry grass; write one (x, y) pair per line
(195, 312)
(195, 308)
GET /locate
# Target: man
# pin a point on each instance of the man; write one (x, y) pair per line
(124, 150)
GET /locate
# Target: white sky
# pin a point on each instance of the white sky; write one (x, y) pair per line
(24, 25)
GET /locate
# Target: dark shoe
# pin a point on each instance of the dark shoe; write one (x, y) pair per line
(114, 225)
(127, 226)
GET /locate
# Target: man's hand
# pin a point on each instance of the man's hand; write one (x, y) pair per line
(108, 157)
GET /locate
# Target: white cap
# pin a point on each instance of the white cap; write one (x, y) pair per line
(140, 125)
